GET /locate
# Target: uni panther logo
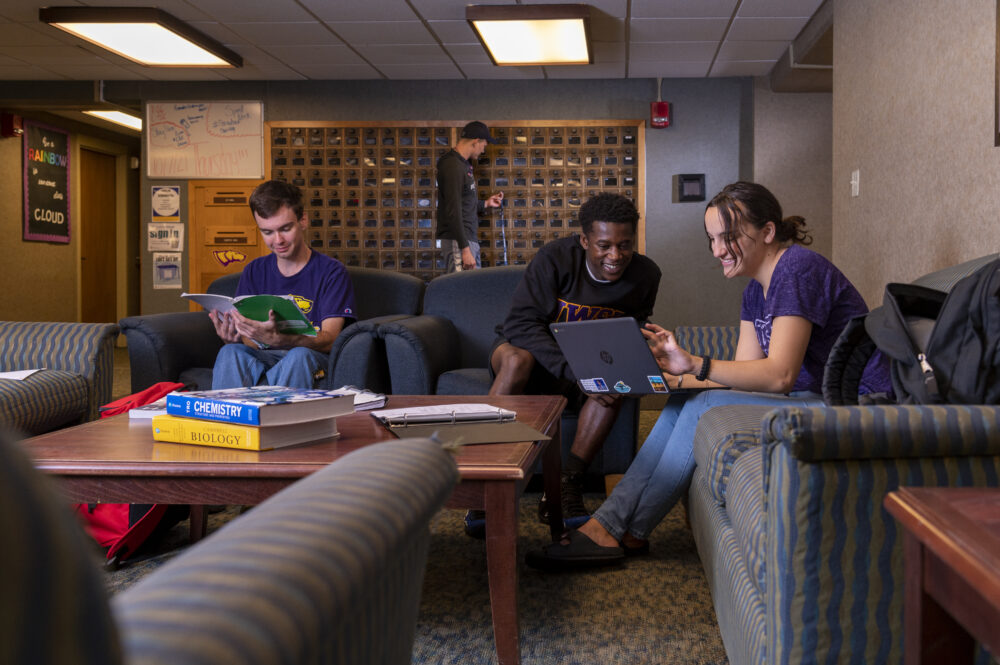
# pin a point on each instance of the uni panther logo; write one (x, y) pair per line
(304, 303)
(227, 256)
(607, 357)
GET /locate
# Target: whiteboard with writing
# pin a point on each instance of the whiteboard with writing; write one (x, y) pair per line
(204, 140)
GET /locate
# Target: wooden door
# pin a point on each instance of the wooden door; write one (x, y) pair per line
(98, 257)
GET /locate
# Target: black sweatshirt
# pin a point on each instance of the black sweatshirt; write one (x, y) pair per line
(558, 287)
(458, 206)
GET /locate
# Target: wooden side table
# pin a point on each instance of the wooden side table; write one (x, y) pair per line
(951, 552)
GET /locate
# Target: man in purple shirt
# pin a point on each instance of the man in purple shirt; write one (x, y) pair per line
(255, 352)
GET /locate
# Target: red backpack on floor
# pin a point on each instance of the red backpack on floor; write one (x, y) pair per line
(122, 528)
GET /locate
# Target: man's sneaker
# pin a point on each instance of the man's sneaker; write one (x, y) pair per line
(574, 512)
(475, 524)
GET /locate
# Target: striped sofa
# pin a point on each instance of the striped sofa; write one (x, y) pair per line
(804, 563)
(330, 570)
(78, 359)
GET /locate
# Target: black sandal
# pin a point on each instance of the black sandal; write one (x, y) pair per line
(574, 551)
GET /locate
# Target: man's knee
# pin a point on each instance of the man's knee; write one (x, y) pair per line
(513, 361)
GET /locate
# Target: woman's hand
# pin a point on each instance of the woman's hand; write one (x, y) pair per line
(671, 358)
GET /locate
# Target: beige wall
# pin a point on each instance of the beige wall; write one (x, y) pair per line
(913, 109)
(792, 156)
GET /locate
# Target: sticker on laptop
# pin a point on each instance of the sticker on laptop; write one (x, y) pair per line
(622, 387)
(597, 385)
(657, 384)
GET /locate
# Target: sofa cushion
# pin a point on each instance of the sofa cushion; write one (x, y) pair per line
(724, 433)
(43, 401)
(746, 511)
(465, 381)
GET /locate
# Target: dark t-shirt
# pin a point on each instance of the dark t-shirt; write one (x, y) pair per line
(322, 288)
(807, 285)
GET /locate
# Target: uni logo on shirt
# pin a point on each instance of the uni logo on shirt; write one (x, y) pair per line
(304, 303)
(569, 311)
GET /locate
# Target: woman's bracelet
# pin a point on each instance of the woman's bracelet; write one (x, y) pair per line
(680, 380)
(706, 364)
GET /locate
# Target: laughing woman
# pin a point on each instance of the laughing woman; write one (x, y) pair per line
(793, 310)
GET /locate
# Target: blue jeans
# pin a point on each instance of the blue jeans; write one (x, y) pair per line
(661, 471)
(237, 365)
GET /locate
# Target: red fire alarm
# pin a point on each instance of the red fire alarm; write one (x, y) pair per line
(659, 114)
(10, 125)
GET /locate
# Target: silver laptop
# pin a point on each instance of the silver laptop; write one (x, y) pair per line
(610, 356)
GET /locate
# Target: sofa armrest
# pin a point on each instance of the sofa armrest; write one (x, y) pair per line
(885, 431)
(357, 357)
(86, 349)
(418, 349)
(328, 570)
(161, 346)
(718, 342)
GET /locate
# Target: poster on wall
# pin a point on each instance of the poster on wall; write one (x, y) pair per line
(46, 183)
(166, 202)
(167, 270)
(164, 237)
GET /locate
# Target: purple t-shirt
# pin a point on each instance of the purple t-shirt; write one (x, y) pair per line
(807, 285)
(322, 288)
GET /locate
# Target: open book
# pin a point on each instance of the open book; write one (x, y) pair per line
(291, 319)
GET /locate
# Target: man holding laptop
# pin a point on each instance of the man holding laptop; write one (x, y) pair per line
(596, 275)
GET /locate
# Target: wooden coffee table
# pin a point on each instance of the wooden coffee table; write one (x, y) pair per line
(115, 460)
(951, 556)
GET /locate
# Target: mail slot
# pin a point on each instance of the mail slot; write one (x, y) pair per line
(222, 235)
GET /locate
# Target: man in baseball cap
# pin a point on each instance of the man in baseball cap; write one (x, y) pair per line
(477, 130)
(459, 206)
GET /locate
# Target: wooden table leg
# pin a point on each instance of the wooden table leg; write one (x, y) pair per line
(199, 523)
(931, 636)
(501, 564)
(551, 472)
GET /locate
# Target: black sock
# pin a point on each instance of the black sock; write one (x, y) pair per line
(574, 465)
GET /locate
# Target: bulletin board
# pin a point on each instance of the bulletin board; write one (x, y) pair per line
(204, 139)
(371, 194)
(46, 183)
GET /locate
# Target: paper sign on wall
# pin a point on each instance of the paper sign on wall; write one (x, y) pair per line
(164, 237)
(166, 202)
(167, 270)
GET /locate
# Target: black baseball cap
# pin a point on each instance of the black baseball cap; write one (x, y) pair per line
(477, 130)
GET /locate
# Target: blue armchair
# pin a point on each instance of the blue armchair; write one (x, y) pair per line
(181, 346)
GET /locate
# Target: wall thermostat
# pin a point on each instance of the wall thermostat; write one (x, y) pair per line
(691, 187)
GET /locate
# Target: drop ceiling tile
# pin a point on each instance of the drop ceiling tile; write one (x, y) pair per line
(424, 71)
(606, 28)
(55, 55)
(334, 54)
(668, 69)
(468, 53)
(783, 8)
(494, 72)
(773, 29)
(329, 72)
(106, 71)
(609, 70)
(225, 11)
(182, 74)
(673, 51)
(454, 32)
(25, 72)
(448, 10)
(605, 52)
(351, 10)
(733, 50)
(383, 32)
(686, 29)
(265, 72)
(17, 34)
(284, 34)
(404, 54)
(744, 68)
(683, 8)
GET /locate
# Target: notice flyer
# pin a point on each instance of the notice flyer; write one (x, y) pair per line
(166, 203)
(167, 270)
(164, 237)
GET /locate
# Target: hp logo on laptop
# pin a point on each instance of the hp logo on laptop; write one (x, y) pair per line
(606, 357)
